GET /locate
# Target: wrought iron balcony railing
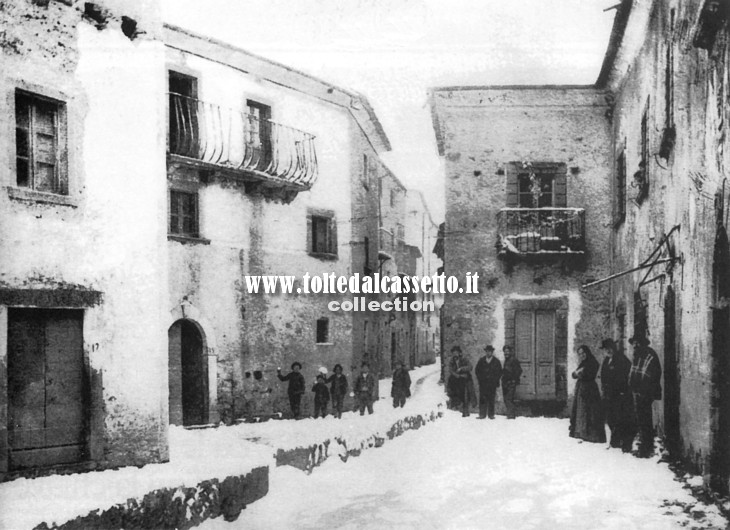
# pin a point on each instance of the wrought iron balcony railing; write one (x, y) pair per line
(238, 141)
(541, 231)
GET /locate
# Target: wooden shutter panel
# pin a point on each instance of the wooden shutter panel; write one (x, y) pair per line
(333, 236)
(560, 187)
(310, 247)
(511, 187)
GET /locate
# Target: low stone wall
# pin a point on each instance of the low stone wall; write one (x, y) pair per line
(309, 457)
(181, 507)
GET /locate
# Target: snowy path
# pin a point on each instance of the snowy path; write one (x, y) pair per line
(465, 473)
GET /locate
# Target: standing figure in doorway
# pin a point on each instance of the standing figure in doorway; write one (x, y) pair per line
(464, 387)
(616, 396)
(364, 389)
(488, 371)
(401, 387)
(511, 374)
(338, 390)
(645, 385)
(296, 387)
(586, 418)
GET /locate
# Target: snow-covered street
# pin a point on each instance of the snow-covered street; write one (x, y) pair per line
(469, 473)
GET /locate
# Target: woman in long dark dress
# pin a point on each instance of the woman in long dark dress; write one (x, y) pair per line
(586, 419)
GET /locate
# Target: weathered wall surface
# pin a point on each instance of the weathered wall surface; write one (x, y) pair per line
(683, 188)
(484, 129)
(252, 235)
(113, 213)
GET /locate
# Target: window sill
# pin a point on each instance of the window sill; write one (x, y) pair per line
(324, 256)
(23, 194)
(188, 240)
(324, 343)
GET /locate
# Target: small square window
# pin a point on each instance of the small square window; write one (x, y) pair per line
(323, 330)
(322, 234)
(184, 214)
(39, 144)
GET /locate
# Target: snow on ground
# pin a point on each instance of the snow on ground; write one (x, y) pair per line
(202, 454)
(467, 473)
(352, 428)
(195, 455)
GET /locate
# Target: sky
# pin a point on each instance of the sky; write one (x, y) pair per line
(393, 51)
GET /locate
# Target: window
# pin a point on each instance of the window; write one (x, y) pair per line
(669, 134)
(367, 271)
(323, 330)
(641, 177)
(620, 197)
(536, 185)
(322, 234)
(184, 213)
(39, 143)
(365, 172)
(258, 136)
(392, 198)
(183, 115)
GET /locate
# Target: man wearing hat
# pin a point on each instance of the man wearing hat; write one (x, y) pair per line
(617, 401)
(644, 383)
(488, 371)
(296, 387)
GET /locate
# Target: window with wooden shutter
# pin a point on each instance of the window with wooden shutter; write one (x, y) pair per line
(322, 234)
(39, 143)
(184, 214)
(536, 185)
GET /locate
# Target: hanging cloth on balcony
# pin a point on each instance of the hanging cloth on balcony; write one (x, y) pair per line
(656, 257)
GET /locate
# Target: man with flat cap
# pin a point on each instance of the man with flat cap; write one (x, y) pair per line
(488, 371)
(645, 384)
(617, 401)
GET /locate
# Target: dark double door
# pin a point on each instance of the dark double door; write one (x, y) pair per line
(47, 390)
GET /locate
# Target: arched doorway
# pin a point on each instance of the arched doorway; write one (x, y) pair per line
(720, 405)
(188, 374)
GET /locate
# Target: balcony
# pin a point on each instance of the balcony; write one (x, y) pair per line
(541, 231)
(235, 143)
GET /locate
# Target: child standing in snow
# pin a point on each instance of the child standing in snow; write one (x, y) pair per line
(321, 396)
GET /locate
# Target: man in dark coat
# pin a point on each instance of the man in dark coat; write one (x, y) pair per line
(488, 371)
(645, 384)
(365, 389)
(617, 401)
(401, 387)
(511, 374)
(338, 390)
(321, 396)
(455, 385)
(296, 388)
(461, 368)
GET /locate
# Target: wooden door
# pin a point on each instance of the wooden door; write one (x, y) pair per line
(46, 387)
(535, 350)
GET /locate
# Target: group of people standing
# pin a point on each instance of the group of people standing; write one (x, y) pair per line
(489, 373)
(628, 389)
(624, 403)
(363, 390)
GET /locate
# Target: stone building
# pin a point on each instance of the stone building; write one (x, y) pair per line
(667, 70)
(276, 170)
(150, 174)
(527, 174)
(83, 275)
